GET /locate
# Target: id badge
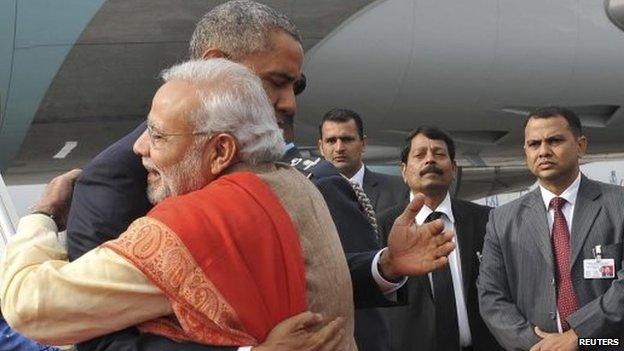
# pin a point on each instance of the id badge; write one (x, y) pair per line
(599, 268)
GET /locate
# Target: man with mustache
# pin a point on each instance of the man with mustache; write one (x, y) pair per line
(228, 252)
(541, 286)
(442, 312)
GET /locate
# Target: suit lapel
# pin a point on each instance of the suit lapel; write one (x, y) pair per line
(538, 224)
(370, 186)
(464, 225)
(585, 211)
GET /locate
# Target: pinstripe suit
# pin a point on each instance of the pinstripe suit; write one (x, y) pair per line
(517, 274)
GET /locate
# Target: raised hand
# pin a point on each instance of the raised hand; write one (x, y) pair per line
(415, 249)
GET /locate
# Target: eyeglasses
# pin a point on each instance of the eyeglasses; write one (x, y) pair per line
(157, 139)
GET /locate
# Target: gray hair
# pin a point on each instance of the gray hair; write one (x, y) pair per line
(239, 28)
(232, 100)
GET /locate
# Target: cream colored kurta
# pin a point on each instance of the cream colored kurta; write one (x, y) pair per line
(56, 302)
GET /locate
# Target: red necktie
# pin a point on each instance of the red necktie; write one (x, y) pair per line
(567, 303)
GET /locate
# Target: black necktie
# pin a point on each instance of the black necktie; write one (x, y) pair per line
(447, 329)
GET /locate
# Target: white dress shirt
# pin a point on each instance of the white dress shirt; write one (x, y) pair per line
(568, 211)
(358, 177)
(465, 338)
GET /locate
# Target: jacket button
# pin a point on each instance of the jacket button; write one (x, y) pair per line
(552, 282)
(552, 315)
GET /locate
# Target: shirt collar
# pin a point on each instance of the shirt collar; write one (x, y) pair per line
(444, 207)
(289, 146)
(569, 194)
(358, 177)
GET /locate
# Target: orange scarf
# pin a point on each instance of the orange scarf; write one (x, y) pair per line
(227, 257)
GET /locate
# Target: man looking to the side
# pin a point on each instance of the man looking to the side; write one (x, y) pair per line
(342, 142)
(442, 312)
(540, 286)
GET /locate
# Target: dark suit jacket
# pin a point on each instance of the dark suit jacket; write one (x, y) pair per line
(110, 194)
(517, 280)
(385, 191)
(412, 327)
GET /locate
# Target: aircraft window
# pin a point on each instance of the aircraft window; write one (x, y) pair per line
(615, 12)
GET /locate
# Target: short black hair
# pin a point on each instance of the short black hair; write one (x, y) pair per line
(431, 133)
(342, 115)
(555, 111)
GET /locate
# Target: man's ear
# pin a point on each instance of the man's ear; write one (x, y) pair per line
(320, 147)
(213, 53)
(403, 167)
(223, 153)
(582, 145)
(364, 143)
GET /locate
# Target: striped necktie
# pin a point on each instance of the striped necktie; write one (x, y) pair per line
(365, 205)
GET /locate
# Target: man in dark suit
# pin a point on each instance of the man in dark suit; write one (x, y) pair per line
(542, 284)
(342, 142)
(111, 191)
(442, 311)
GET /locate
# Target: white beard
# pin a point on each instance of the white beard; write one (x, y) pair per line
(178, 179)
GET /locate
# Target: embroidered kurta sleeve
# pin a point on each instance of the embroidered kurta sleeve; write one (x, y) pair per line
(53, 301)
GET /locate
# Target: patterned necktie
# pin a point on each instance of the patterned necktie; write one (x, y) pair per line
(447, 327)
(365, 205)
(567, 303)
